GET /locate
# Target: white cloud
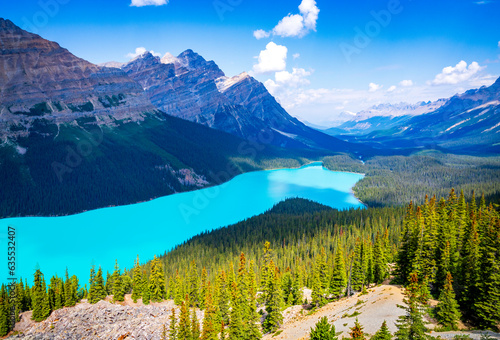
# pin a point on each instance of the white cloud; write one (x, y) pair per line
(296, 56)
(260, 34)
(499, 44)
(406, 83)
(272, 59)
(141, 3)
(374, 87)
(392, 88)
(295, 25)
(459, 73)
(140, 51)
(310, 12)
(290, 26)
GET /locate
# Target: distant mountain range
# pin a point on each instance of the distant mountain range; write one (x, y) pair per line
(464, 123)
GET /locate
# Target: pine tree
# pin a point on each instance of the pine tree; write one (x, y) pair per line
(146, 296)
(323, 330)
(275, 301)
(5, 319)
(383, 333)
(41, 308)
(137, 281)
(411, 325)
(203, 288)
(173, 326)
(236, 327)
(222, 298)
(356, 332)
(178, 289)
(193, 285)
(209, 331)
(320, 279)
(380, 261)
(99, 291)
(157, 281)
(195, 326)
(359, 266)
(447, 311)
(184, 331)
(118, 292)
(338, 281)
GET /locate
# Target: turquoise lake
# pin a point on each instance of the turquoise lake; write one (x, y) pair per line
(103, 235)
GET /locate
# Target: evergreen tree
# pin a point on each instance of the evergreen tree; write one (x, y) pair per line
(209, 331)
(447, 311)
(379, 260)
(146, 296)
(5, 319)
(411, 325)
(359, 266)
(383, 333)
(157, 281)
(323, 330)
(275, 301)
(173, 326)
(222, 298)
(338, 281)
(356, 332)
(236, 327)
(137, 281)
(203, 288)
(118, 292)
(41, 308)
(193, 284)
(97, 291)
(195, 326)
(320, 279)
(184, 331)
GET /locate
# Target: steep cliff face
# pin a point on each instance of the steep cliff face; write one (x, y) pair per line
(189, 87)
(40, 79)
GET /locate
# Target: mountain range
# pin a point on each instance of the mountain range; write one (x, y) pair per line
(76, 136)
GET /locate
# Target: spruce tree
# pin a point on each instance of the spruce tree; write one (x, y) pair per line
(184, 330)
(411, 325)
(99, 291)
(137, 281)
(203, 288)
(320, 279)
(41, 308)
(338, 281)
(222, 298)
(173, 326)
(236, 327)
(209, 331)
(157, 281)
(275, 301)
(323, 330)
(195, 326)
(118, 292)
(146, 296)
(447, 311)
(356, 332)
(383, 333)
(193, 285)
(5, 319)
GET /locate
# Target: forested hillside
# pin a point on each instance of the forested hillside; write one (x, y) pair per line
(397, 180)
(448, 247)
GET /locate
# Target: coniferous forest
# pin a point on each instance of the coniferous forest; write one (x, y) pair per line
(447, 248)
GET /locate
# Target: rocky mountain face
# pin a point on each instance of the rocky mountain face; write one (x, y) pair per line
(189, 87)
(469, 122)
(39, 79)
(76, 136)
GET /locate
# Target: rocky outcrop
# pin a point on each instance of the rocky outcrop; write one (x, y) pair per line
(40, 79)
(103, 320)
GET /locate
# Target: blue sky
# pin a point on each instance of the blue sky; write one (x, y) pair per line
(313, 56)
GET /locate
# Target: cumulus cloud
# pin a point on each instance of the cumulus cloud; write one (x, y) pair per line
(392, 88)
(290, 26)
(406, 83)
(295, 25)
(374, 87)
(140, 51)
(142, 3)
(460, 73)
(260, 34)
(272, 59)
